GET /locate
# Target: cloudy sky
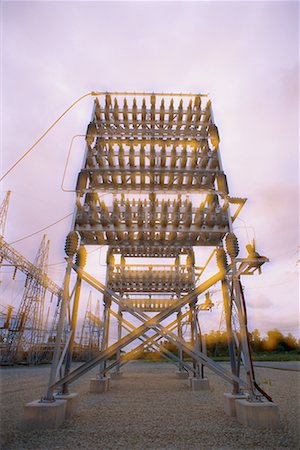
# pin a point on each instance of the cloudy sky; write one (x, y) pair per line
(244, 54)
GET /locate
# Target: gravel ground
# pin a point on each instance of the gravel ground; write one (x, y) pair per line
(148, 408)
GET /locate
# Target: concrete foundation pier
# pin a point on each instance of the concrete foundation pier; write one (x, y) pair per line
(99, 385)
(44, 415)
(229, 403)
(258, 414)
(182, 374)
(199, 384)
(72, 401)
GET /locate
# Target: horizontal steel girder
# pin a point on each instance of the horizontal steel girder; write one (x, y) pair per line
(147, 305)
(150, 251)
(90, 237)
(165, 180)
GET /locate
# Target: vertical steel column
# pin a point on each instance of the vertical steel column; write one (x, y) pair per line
(179, 331)
(104, 343)
(194, 336)
(60, 326)
(69, 354)
(231, 344)
(241, 307)
(118, 355)
(106, 314)
(239, 301)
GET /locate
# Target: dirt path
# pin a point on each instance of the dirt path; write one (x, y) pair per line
(147, 409)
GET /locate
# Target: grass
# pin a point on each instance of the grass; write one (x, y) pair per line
(274, 356)
(271, 356)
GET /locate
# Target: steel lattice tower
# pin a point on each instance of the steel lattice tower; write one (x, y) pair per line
(25, 336)
(158, 156)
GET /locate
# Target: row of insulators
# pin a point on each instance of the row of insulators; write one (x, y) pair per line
(151, 298)
(152, 159)
(168, 181)
(150, 275)
(190, 260)
(148, 304)
(149, 251)
(211, 202)
(129, 272)
(154, 238)
(151, 214)
(150, 148)
(144, 282)
(163, 288)
(206, 132)
(145, 113)
(143, 145)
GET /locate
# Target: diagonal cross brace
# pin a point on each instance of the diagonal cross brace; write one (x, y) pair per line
(140, 348)
(195, 354)
(148, 324)
(150, 341)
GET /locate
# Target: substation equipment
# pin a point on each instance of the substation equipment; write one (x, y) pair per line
(156, 157)
(25, 334)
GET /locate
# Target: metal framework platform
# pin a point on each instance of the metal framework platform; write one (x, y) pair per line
(152, 154)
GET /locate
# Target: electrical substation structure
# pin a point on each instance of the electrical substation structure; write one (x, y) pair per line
(157, 159)
(24, 334)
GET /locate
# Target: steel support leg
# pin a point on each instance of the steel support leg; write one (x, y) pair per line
(194, 337)
(73, 330)
(179, 332)
(60, 327)
(105, 340)
(200, 345)
(231, 344)
(118, 355)
(240, 303)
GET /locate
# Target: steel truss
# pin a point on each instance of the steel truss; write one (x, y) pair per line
(152, 159)
(26, 333)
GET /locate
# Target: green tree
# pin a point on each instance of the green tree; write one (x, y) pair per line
(255, 341)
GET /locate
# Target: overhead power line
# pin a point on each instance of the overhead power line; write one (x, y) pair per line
(93, 93)
(42, 229)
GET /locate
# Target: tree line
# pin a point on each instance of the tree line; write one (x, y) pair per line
(217, 344)
(274, 341)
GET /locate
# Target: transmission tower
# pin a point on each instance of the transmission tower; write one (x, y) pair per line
(15, 259)
(25, 336)
(24, 333)
(91, 331)
(3, 212)
(151, 157)
(6, 318)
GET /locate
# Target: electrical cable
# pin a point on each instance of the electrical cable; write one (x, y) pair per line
(48, 226)
(89, 253)
(246, 227)
(47, 131)
(42, 229)
(57, 264)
